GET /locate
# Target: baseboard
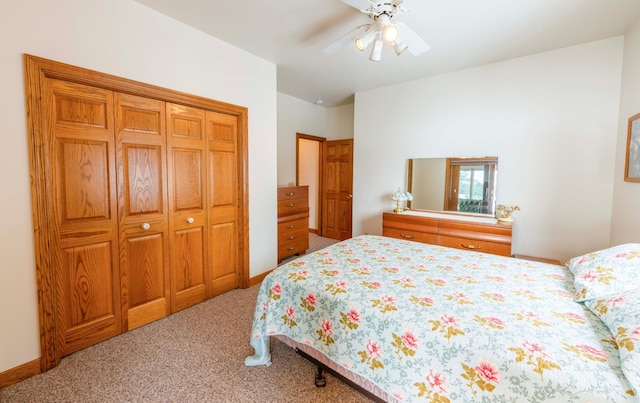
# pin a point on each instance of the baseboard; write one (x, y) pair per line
(313, 231)
(258, 279)
(19, 373)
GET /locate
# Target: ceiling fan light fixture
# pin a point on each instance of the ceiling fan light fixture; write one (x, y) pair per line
(390, 33)
(389, 30)
(363, 42)
(376, 52)
(400, 46)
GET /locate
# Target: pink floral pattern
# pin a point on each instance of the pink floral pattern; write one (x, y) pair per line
(429, 323)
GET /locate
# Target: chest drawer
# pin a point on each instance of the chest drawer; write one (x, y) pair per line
(475, 245)
(293, 192)
(292, 206)
(410, 235)
(287, 227)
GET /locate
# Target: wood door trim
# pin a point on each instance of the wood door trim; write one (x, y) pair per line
(36, 71)
(321, 141)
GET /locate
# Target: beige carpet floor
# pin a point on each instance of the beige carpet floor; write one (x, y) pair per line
(196, 355)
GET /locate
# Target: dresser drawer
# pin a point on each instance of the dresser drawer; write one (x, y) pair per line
(291, 237)
(410, 235)
(475, 245)
(292, 206)
(291, 247)
(295, 192)
(293, 225)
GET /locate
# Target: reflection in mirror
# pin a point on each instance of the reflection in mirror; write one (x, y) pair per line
(466, 185)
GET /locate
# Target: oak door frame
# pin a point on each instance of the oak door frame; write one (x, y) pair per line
(36, 71)
(321, 141)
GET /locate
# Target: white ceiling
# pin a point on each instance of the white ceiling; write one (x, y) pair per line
(462, 34)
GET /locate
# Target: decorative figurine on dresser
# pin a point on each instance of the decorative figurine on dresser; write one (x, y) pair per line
(293, 221)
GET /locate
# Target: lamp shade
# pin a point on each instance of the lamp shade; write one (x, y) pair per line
(376, 52)
(363, 42)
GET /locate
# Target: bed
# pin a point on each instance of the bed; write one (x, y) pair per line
(408, 321)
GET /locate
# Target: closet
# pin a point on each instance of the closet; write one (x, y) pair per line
(139, 197)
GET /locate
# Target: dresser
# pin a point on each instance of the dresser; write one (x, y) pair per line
(293, 221)
(473, 233)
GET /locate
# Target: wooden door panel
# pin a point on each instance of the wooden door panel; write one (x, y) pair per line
(224, 246)
(86, 271)
(146, 279)
(81, 109)
(223, 202)
(337, 189)
(186, 144)
(143, 185)
(88, 295)
(83, 182)
(187, 265)
(222, 179)
(142, 209)
(187, 179)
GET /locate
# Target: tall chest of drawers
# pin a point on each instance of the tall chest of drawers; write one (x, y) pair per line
(293, 221)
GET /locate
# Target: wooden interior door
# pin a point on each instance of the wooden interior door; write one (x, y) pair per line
(187, 214)
(142, 208)
(337, 190)
(223, 165)
(83, 180)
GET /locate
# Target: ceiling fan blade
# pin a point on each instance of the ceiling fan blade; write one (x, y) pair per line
(358, 4)
(417, 45)
(345, 39)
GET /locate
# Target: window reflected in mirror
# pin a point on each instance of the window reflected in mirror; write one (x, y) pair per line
(465, 185)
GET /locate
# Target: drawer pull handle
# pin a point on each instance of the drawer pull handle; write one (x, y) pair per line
(291, 237)
(290, 248)
(407, 236)
(291, 193)
(145, 226)
(469, 246)
(190, 220)
(291, 227)
(290, 204)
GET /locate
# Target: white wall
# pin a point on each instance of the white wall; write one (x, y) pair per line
(339, 122)
(625, 219)
(295, 116)
(551, 118)
(126, 39)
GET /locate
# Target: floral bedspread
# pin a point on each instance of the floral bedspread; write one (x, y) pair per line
(429, 323)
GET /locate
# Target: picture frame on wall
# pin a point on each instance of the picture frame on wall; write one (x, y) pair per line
(632, 161)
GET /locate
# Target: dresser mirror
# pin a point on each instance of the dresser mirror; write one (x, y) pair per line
(464, 185)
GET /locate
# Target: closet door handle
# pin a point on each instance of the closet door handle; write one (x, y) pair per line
(190, 220)
(145, 226)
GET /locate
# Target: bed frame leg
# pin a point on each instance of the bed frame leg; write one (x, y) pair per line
(321, 382)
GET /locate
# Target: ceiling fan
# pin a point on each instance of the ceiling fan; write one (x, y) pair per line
(381, 29)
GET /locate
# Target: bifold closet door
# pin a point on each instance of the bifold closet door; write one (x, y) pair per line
(187, 207)
(143, 209)
(83, 184)
(223, 202)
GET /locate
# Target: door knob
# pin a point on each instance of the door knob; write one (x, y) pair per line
(349, 197)
(145, 226)
(190, 220)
